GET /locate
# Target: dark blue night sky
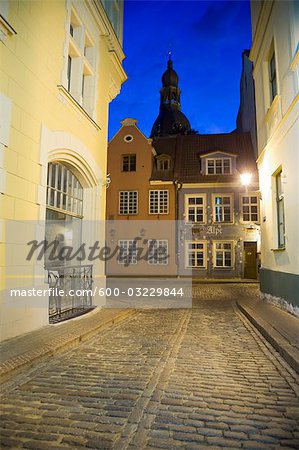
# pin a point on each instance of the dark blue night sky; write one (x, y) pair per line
(206, 39)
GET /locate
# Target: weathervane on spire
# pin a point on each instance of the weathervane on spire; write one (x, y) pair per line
(169, 51)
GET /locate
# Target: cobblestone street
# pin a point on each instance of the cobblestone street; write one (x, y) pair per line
(193, 378)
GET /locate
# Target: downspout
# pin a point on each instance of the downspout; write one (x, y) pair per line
(178, 186)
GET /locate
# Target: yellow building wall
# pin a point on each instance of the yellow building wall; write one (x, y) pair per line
(43, 124)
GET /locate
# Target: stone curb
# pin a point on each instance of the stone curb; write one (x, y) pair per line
(223, 281)
(70, 334)
(288, 351)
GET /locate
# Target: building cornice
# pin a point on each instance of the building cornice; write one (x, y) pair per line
(261, 28)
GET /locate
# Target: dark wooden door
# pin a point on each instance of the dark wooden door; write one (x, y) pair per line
(250, 266)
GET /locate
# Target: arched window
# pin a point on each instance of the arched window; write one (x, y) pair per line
(64, 191)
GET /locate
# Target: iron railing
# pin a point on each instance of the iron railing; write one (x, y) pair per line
(70, 291)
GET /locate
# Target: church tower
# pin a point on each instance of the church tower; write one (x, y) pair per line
(170, 120)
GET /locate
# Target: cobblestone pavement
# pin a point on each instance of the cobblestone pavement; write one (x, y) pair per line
(189, 379)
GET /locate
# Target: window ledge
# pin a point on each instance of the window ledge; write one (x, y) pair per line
(74, 102)
(272, 109)
(280, 249)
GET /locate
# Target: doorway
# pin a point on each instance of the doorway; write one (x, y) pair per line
(250, 260)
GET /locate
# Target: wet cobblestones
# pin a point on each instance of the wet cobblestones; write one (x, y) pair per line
(190, 379)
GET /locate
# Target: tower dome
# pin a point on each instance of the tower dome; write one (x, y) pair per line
(170, 77)
(170, 120)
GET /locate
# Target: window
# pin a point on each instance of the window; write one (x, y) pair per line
(158, 202)
(219, 166)
(272, 78)
(64, 191)
(223, 208)
(112, 8)
(69, 72)
(249, 208)
(195, 208)
(128, 138)
(223, 254)
(163, 164)
(129, 163)
(128, 202)
(80, 73)
(127, 253)
(158, 252)
(280, 212)
(195, 254)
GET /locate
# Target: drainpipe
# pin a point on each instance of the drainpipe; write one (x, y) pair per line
(178, 186)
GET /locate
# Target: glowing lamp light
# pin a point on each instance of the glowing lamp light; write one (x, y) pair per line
(246, 179)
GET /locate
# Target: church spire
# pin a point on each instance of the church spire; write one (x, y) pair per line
(170, 119)
(170, 92)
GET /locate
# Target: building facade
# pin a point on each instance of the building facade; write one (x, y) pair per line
(140, 211)
(220, 237)
(61, 65)
(274, 52)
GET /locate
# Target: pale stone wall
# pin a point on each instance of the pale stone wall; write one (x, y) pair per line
(278, 132)
(41, 123)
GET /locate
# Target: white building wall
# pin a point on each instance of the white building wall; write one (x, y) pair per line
(276, 28)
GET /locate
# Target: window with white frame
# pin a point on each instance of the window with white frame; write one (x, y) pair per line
(128, 202)
(195, 254)
(218, 166)
(158, 252)
(222, 208)
(158, 202)
(195, 205)
(80, 73)
(163, 164)
(249, 208)
(223, 254)
(127, 251)
(64, 191)
(280, 211)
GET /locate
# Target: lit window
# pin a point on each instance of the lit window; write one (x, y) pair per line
(158, 252)
(158, 202)
(249, 208)
(129, 163)
(195, 254)
(195, 208)
(219, 166)
(128, 202)
(272, 78)
(223, 208)
(280, 212)
(127, 253)
(163, 164)
(223, 254)
(64, 191)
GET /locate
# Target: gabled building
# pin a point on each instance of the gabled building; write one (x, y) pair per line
(221, 215)
(139, 210)
(275, 56)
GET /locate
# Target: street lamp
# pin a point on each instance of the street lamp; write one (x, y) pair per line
(246, 178)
